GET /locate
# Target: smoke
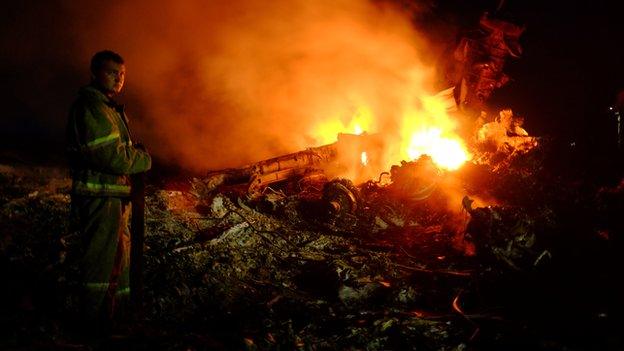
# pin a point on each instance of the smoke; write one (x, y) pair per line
(214, 84)
(226, 83)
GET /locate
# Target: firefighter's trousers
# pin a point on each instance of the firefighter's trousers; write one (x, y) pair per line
(105, 263)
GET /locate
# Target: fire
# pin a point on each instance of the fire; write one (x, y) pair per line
(427, 129)
(446, 152)
(431, 131)
(357, 123)
(358, 130)
(364, 158)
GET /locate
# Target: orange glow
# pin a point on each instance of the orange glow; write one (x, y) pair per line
(419, 314)
(327, 131)
(262, 79)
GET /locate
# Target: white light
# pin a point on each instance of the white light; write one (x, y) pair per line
(364, 158)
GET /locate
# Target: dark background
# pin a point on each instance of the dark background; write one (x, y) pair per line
(572, 65)
(569, 74)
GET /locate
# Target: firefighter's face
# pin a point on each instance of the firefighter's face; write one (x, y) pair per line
(110, 78)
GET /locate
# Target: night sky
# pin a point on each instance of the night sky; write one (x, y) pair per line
(570, 73)
(572, 65)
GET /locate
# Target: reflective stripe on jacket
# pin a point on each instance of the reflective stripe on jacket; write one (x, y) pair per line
(101, 153)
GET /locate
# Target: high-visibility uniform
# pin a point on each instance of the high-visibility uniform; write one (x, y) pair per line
(101, 158)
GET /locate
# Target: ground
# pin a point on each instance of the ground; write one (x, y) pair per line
(536, 270)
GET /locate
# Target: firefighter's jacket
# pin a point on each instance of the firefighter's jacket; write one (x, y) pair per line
(101, 153)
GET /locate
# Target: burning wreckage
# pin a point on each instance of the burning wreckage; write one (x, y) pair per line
(407, 195)
(288, 253)
(279, 254)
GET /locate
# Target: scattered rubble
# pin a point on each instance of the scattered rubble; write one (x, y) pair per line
(336, 266)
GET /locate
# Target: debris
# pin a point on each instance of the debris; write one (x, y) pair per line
(504, 136)
(414, 181)
(330, 263)
(340, 197)
(220, 206)
(508, 234)
(481, 57)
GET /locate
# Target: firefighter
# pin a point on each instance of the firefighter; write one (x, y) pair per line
(101, 157)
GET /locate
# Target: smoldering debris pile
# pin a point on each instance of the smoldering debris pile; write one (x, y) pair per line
(331, 267)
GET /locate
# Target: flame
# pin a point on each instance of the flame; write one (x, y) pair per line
(431, 131)
(427, 129)
(358, 122)
(364, 158)
(446, 152)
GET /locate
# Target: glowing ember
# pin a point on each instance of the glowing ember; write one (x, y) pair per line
(364, 158)
(446, 152)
